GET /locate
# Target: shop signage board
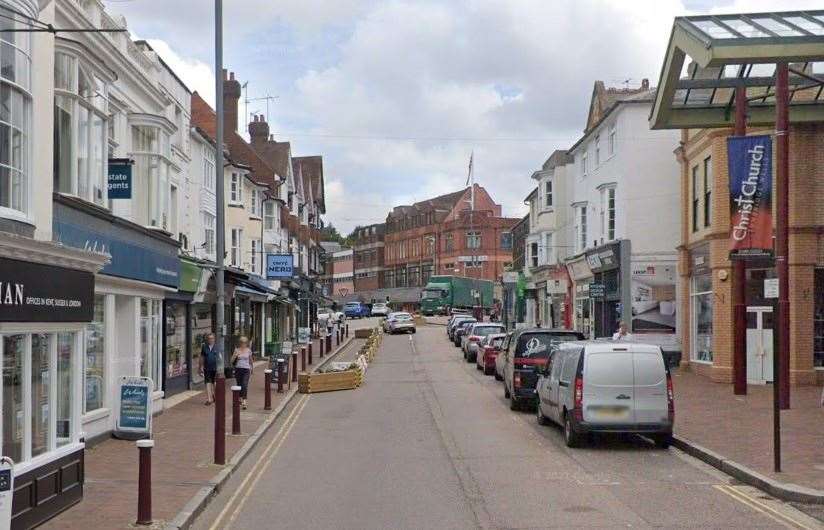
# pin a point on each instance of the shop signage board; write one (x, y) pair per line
(6, 491)
(751, 219)
(303, 336)
(120, 178)
(279, 266)
(771, 288)
(34, 292)
(134, 408)
(597, 290)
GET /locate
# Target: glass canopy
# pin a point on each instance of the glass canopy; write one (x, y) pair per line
(708, 56)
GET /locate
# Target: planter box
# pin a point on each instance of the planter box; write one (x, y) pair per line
(329, 382)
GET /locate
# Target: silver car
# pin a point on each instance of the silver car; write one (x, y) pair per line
(401, 323)
(470, 342)
(607, 386)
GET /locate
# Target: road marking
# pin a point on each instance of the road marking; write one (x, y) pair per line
(761, 507)
(266, 459)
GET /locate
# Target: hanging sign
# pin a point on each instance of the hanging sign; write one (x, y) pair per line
(750, 169)
(120, 178)
(279, 266)
(134, 418)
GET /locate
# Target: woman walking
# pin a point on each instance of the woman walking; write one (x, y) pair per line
(243, 360)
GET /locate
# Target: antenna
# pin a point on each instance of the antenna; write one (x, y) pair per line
(266, 98)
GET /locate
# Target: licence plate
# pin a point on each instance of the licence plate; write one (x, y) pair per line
(610, 412)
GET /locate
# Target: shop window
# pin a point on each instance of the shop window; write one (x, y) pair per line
(65, 388)
(14, 352)
(95, 358)
(40, 414)
(176, 364)
(150, 340)
(701, 298)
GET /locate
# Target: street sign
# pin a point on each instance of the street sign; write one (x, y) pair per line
(6, 491)
(771, 288)
(597, 290)
(344, 291)
(134, 418)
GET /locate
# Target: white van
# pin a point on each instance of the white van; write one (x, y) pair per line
(607, 386)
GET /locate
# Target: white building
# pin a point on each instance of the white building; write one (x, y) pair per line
(624, 195)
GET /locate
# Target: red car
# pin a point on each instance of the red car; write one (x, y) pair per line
(487, 351)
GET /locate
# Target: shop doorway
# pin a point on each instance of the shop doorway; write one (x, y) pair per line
(759, 344)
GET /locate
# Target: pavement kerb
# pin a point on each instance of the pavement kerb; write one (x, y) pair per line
(201, 499)
(778, 489)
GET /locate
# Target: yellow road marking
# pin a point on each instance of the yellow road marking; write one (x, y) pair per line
(266, 459)
(759, 506)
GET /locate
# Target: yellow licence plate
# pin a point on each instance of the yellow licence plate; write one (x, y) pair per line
(610, 412)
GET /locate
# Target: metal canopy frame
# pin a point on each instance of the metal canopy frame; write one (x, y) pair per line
(728, 51)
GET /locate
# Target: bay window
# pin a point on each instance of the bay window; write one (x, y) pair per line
(269, 213)
(152, 166)
(209, 233)
(15, 118)
(80, 130)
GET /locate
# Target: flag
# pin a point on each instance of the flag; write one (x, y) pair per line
(469, 174)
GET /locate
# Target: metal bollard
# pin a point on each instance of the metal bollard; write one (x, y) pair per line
(303, 358)
(294, 367)
(144, 482)
(329, 344)
(321, 344)
(220, 420)
(235, 409)
(267, 396)
(337, 338)
(347, 331)
(310, 354)
(280, 376)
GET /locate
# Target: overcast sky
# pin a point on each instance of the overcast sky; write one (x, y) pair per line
(396, 94)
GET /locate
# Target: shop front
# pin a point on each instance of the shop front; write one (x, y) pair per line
(581, 276)
(46, 303)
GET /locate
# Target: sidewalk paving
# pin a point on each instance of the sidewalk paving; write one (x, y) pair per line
(740, 428)
(181, 459)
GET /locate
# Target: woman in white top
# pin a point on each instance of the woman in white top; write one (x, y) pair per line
(243, 360)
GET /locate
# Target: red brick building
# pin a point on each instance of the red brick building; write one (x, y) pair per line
(368, 257)
(444, 235)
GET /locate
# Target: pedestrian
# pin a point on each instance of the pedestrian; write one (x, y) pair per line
(208, 366)
(622, 333)
(243, 360)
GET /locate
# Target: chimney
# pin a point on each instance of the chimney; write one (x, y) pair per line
(645, 84)
(231, 96)
(259, 130)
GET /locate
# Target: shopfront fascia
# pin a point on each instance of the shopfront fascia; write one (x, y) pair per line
(125, 335)
(46, 302)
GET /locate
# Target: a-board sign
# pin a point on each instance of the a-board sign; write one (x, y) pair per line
(6, 491)
(303, 336)
(134, 408)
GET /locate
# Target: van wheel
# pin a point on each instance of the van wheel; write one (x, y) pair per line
(662, 441)
(571, 438)
(542, 420)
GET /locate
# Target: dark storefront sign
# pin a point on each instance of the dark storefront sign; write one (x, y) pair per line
(33, 292)
(750, 169)
(136, 254)
(120, 178)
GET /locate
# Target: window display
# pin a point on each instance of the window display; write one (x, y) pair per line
(95, 357)
(701, 301)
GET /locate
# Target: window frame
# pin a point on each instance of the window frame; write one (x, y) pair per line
(235, 247)
(694, 176)
(548, 194)
(611, 138)
(708, 191)
(209, 240)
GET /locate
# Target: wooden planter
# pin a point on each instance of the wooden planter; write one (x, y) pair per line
(329, 382)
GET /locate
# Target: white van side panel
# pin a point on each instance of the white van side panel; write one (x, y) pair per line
(609, 388)
(650, 388)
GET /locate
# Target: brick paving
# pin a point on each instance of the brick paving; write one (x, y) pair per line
(181, 460)
(740, 427)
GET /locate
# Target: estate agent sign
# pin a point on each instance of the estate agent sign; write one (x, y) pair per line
(134, 418)
(120, 178)
(33, 292)
(750, 169)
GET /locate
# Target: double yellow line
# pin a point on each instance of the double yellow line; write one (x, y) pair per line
(761, 507)
(238, 499)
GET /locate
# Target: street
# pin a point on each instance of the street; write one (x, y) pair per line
(428, 442)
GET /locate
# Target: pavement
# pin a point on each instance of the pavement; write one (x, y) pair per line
(429, 442)
(740, 428)
(182, 459)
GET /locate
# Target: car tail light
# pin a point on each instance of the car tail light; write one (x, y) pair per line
(579, 398)
(670, 399)
(516, 379)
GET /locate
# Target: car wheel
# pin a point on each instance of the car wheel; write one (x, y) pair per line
(571, 438)
(542, 420)
(506, 391)
(662, 441)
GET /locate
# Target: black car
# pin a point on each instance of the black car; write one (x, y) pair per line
(528, 350)
(460, 330)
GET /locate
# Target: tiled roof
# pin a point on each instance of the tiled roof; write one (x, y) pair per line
(312, 169)
(441, 202)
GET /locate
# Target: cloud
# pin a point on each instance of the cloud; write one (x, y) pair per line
(195, 74)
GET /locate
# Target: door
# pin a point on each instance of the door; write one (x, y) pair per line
(759, 344)
(609, 388)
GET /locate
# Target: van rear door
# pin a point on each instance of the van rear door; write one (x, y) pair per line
(608, 388)
(650, 387)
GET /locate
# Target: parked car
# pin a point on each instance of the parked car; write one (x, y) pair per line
(605, 386)
(355, 310)
(379, 309)
(401, 323)
(460, 329)
(385, 322)
(472, 338)
(528, 350)
(500, 358)
(488, 351)
(453, 324)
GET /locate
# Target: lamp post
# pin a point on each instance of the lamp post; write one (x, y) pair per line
(220, 332)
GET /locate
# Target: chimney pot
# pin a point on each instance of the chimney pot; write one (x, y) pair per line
(225, 74)
(231, 76)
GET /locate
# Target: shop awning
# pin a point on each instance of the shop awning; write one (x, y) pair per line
(253, 294)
